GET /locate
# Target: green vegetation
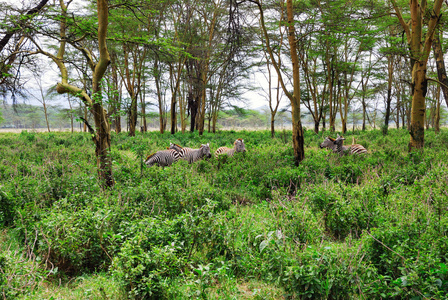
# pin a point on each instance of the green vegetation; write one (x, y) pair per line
(248, 227)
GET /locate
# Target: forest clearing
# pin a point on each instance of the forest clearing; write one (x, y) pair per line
(252, 226)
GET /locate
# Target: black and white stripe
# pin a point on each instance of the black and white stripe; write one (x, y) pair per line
(238, 147)
(353, 149)
(337, 146)
(162, 158)
(192, 155)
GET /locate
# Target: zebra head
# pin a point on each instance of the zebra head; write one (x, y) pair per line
(205, 150)
(175, 147)
(328, 143)
(339, 140)
(239, 145)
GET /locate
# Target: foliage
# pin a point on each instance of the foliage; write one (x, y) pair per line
(372, 226)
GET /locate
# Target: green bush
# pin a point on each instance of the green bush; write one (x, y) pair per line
(189, 229)
(7, 209)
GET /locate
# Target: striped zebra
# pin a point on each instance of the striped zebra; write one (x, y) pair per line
(238, 147)
(178, 148)
(337, 146)
(162, 158)
(192, 155)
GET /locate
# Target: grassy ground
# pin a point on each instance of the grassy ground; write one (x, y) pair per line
(250, 227)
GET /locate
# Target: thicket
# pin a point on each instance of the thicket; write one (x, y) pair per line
(365, 227)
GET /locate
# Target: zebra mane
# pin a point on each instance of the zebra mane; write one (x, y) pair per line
(177, 145)
(331, 139)
(151, 155)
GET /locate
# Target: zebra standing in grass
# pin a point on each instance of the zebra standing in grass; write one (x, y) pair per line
(162, 158)
(192, 155)
(337, 146)
(179, 148)
(238, 147)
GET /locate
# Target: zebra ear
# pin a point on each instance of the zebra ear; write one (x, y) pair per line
(208, 144)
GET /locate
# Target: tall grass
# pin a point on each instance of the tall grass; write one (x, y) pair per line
(372, 226)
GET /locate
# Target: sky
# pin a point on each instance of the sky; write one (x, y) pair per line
(253, 99)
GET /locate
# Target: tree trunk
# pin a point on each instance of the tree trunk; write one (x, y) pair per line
(85, 118)
(294, 97)
(418, 110)
(437, 117)
(201, 115)
(419, 54)
(159, 96)
(390, 69)
(133, 116)
(440, 64)
(297, 131)
(143, 104)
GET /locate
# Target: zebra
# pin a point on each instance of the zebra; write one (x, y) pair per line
(178, 148)
(192, 155)
(238, 147)
(337, 146)
(162, 158)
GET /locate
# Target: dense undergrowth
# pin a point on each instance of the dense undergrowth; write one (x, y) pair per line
(249, 227)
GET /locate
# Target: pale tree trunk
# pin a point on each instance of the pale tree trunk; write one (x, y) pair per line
(183, 123)
(297, 131)
(419, 57)
(398, 109)
(133, 81)
(294, 97)
(364, 104)
(437, 116)
(201, 115)
(175, 89)
(101, 134)
(116, 95)
(330, 78)
(440, 64)
(159, 96)
(143, 104)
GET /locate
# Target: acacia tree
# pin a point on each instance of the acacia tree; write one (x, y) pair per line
(101, 134)
(419, 43)
(14, 25)
(294, 96)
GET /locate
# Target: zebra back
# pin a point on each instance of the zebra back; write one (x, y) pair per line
(179, 149)
(357, 149)
(193, 155)
(162, 158)
(238, 146)
(353, 149)
(224, 150)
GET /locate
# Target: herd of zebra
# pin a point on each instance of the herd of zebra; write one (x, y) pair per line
(174, 152)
